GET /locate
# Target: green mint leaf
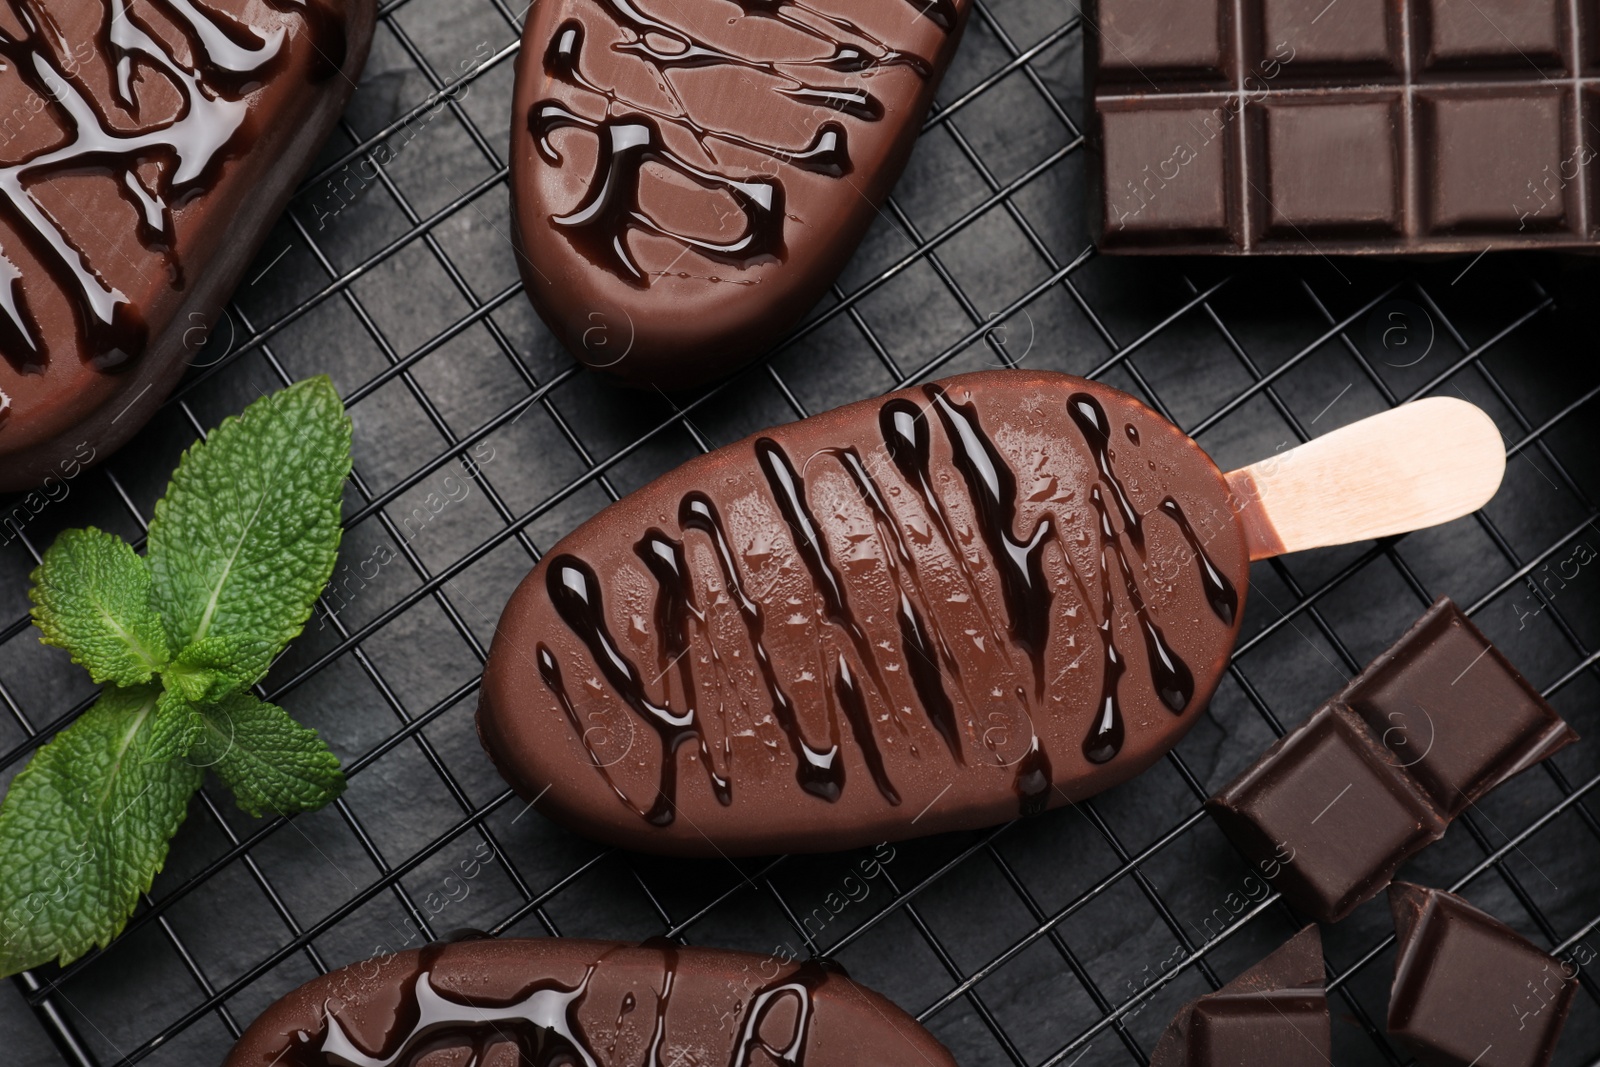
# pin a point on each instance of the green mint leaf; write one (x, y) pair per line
(274, 765)
(83, 829)
(92, 595)
(209, 670)
(175, 729)
(246, 536)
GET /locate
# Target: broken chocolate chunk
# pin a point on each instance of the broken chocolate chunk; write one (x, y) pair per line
(1275, 1013)
(1453, 711)
(1470, 990)
(1328, 805)
(1377, 773)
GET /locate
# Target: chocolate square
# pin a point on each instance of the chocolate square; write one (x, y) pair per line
(1273, 1013)
(1469, 989)
(1332, 167)
(1142, 39)
(1320, 35)
(1488, 153)
(1463, 32)
(1165, 170)
(1281, 1027)
(1455, 714)
(1326, 809)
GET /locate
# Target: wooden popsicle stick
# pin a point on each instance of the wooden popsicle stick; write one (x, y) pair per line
(1418, 465)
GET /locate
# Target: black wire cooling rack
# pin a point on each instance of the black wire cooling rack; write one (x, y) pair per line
(478, 443)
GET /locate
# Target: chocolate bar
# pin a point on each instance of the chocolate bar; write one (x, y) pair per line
(1470, 990)
(934, 610)
(689, 179)
(148, 153)
(564, 1002)
(1378, 772)
(1361, 127)
(1273, 1014)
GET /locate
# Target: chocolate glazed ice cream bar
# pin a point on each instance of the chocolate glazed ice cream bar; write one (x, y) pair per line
(147, 149)
(689, 178)
(1366, 126)
(571, 1003)
(929, 611)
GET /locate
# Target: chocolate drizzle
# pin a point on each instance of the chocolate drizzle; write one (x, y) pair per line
(668, 47)
(630, 135)
(846, 58)
(908, 441)
(1105, 736)
(819, 772)
(800, 987)
(599, 226)
(229, 63)
(550, 673)
(1220, 593)
(1173, 681)
(328, 36)
(18, 328)
(674, 605)
(827, 154)
(942, 13)
(669, 976)
(922, 663)
(543, 1025)
(1032, 782)
(993, 490)
(855, 712)
(857, 103)
(1169, 674)
(922, 656)
(789, 491)
(575, 592)
(1090, 418)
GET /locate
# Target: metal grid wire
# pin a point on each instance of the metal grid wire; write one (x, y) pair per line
(478, 443)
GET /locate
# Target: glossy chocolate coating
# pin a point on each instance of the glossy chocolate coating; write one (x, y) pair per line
(1378, 773)
(928, 611)
(142, 169)
(1470, 990)
(583, 1004)
(1363, 127)
(688, 179)
(1274, 1014)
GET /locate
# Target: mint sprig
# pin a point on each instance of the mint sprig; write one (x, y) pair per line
(84, 828)
(93, 596)
(271, 762)
(246, 535)
(239, 549)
